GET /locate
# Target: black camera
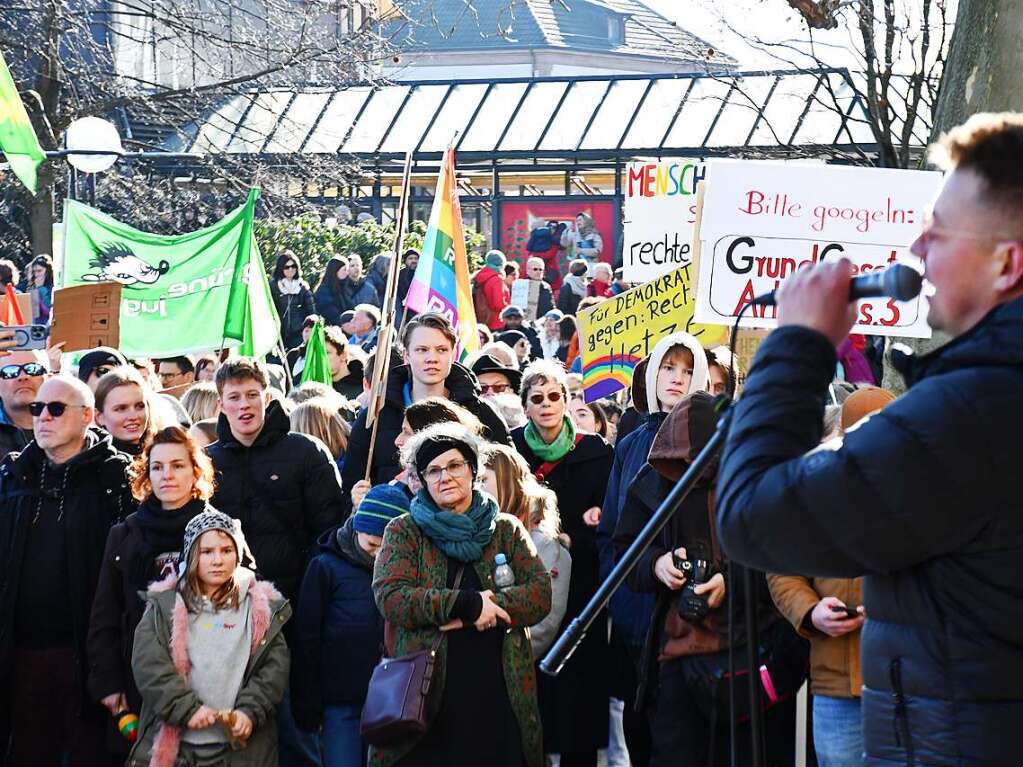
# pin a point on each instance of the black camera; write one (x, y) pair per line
(692, 606)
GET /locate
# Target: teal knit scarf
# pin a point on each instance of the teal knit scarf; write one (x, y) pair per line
(461, 536)
(557, 449)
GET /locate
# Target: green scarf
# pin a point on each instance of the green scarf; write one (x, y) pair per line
(557, 449)
(461, 536)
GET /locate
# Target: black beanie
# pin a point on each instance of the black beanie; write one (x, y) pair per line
(435, 446)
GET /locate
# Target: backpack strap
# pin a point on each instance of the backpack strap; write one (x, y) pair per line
(544, 469)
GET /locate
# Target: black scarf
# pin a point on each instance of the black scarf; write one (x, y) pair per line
(350, 547)
(159, 531)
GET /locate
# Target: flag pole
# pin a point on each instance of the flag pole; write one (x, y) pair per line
(384, 338)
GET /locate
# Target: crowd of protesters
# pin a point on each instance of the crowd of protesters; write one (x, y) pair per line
(206, 563)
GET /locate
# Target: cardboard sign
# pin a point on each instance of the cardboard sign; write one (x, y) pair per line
(761, 221)
(660, 212)
(619, 332)
(525, 294)
(86, 316)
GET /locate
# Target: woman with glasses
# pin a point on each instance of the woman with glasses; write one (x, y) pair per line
(575, 466)
(292, 297)
(434, 580)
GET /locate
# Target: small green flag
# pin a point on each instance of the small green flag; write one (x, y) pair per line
(317, 366)
(17, 138)
(181, 293)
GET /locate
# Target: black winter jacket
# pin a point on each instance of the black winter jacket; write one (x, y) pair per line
(292, 308)
(96, 497)
(285, 490)
(924, 500)
(339, 632)
(463, 389)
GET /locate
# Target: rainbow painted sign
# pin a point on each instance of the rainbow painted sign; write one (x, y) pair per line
(616, 335)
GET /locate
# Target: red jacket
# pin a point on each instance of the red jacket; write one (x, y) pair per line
(497, 294)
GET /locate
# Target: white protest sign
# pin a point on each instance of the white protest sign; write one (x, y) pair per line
(660, 212)
(525, 294)
(761, 221)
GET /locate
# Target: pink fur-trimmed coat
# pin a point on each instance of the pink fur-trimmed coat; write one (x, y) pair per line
(161, 667)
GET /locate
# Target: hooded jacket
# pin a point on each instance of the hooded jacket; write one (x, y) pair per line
(351, 385)
(680, 438)
(463, 389)
(632, 611)
(923, 498)
(284, 489)
(161, 666)
(700, 380)
(96, 497)
(339, 632)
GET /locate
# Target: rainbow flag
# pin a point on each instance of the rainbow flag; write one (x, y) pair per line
(18, 140)
(441, 282)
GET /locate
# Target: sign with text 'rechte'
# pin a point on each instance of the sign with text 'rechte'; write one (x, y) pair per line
(761, 221)
(660, 214)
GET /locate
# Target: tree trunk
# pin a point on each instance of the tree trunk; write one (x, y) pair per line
(981, 75)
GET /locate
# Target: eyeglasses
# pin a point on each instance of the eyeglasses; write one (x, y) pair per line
(487, 388)
(10, 372)
(455, 470)
(537, 399)
(931, 231)
(101, 371)
(165, 375)
(56, 409)
(290, 266)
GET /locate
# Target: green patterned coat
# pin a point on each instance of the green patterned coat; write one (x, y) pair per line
(410, 586)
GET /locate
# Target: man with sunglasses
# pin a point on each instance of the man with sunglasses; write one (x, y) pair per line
(21, 375)
(496, 378)
(923, 498)
(97, 362)
(58, 499)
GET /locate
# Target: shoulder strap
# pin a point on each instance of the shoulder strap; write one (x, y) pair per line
(458, 582)
(544, 470)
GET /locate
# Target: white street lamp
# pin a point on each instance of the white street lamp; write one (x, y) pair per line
(98, 139)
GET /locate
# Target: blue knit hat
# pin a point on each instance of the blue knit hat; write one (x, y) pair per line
(495, 259)
(381, 504)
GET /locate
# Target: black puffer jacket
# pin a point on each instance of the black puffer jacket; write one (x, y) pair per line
(96, 498)
(284, 489)
(463, 389)
(292, 308)
(924, 499)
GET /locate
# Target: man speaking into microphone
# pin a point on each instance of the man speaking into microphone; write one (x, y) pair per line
(925, 498)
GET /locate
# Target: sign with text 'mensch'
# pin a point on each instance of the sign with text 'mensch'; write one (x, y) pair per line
(761, 221)
(660, 213)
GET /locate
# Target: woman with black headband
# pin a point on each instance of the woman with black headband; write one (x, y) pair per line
(436, 573)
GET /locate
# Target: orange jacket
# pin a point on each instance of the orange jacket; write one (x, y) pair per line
(834, 661)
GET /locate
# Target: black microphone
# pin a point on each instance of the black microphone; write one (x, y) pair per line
(899, 281)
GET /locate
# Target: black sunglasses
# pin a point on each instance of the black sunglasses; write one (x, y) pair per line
(10, 372)
(57, 409)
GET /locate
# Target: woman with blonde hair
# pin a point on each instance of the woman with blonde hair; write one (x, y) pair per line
(172, 479)
(201, 401)
(124, 408)
(507, 477)
(318, 418)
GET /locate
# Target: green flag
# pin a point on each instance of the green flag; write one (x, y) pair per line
(17, 139)
(181, 293)
(317, 366)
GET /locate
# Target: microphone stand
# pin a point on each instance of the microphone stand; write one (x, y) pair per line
(569, 640)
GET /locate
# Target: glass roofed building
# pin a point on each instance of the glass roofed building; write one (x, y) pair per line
(525, 97)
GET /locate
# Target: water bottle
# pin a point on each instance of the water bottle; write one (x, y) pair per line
(503, 575)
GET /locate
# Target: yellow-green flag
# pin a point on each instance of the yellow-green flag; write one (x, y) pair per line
(17, 139)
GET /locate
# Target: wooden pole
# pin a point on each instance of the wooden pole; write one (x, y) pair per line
(381, 367)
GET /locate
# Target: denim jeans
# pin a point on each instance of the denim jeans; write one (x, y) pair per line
(837, 731)
(342, 743)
